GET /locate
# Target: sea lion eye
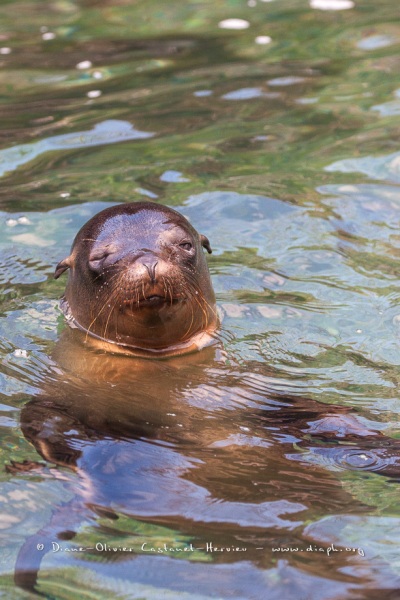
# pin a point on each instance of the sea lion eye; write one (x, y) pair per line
(96, 263)
(186, 246)
(98, 257)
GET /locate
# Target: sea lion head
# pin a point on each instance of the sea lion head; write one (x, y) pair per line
(138, 279)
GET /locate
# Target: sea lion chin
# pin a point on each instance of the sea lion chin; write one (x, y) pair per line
(138, 282)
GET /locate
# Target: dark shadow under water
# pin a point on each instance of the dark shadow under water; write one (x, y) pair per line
(195, 445)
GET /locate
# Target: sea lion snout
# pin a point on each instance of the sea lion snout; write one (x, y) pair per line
(150, 263)
(145, 268)
(148, 278)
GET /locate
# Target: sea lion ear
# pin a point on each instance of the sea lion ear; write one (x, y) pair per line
(62, 266)
(205, 243)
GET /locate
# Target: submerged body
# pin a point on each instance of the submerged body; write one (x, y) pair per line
(190, 444)
(139, 282)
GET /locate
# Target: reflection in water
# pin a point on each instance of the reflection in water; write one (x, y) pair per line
(190, 444)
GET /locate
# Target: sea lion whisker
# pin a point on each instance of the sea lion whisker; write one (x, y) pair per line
(201, 297)
(186, 334)
(203, 311)
(114, 297)
(168, 288)
(109, 316)
(197, 294)
(99, 313)
(93, 322)
(164, 285)
(106, 272)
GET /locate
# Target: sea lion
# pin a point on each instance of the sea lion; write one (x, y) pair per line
(139, 282)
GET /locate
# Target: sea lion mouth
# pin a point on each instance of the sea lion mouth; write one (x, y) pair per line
(152, 300)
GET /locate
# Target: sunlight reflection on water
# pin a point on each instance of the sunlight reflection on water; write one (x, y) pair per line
(107, 132)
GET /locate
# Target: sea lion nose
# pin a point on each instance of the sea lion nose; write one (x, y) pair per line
(150, 263)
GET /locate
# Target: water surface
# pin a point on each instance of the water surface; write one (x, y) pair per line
(277, 136)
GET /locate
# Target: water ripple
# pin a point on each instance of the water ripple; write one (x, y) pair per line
(108, 132)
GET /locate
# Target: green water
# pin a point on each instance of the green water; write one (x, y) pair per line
(286, 155)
